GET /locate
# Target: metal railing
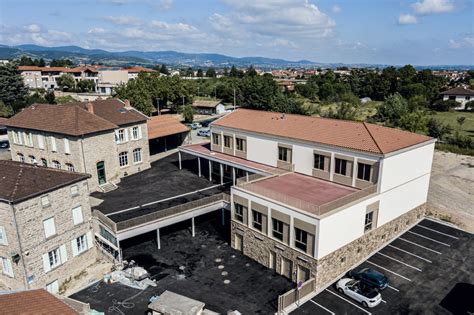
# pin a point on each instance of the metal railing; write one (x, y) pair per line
(294, 295)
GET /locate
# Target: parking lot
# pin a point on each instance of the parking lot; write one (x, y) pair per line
(430, 269)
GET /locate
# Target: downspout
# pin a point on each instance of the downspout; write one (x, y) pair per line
(27, 285)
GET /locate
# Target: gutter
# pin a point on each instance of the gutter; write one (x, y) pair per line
(22, 258)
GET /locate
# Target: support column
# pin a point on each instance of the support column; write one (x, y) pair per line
(233, 175)
(179, 158)
(223, 216)
(166, 147)
(222, 173)
(332, 166)
(199, 166)
(193, 232)
(210, 170)
(246, 176)
(158, 240)
(119, 252)
(354, 171)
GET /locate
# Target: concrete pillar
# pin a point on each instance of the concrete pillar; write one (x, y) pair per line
(246, 176)
(354, 172)
(210, 170)
(119, 252)
(158, 240)
(199, 166)
(179, 158)
(331, 167)
(193, 232)
(233, 175)
(221, 167)
(223, 216)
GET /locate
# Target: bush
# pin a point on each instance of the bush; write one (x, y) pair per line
(470, 105)
(188, 114)
(444, 106)
(436, 129)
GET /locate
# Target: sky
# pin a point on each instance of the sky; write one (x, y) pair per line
(398, 32)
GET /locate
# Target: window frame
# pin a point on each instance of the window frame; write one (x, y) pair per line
(301, 239)
(123, 157)
(283, 152)
(56, 164)
(239, 208)
(369, 225)
(7, 271)
(318, 161)
(81, 244)
(216, 138)
(275, 231)
(342, 165)
(43, 204)
(229, 138)
(240, 144)
(135, 133)
(52, 225)
(44, 162)
(70, 167)
(121, 135)
(135, 152)
(3, 239)
(363, 167)
(54, 257)
(21, 157)
(256, 217)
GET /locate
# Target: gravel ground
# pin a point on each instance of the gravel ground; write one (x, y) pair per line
(451, 191)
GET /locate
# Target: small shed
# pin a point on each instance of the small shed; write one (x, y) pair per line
(170, 303)
(165, 132)
(209, 107)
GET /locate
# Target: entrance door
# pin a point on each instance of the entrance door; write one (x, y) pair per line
(101, 172)
(303, 274)
(272, 262)
(286, 267)
(239, 240)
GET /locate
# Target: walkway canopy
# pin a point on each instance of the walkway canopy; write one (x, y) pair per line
(165, 132)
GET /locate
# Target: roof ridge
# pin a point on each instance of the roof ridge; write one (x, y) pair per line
(16, 183)
(372, 136)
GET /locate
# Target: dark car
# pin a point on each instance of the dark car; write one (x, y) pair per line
(370, 277)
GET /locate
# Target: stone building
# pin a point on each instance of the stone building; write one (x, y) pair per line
(329, 193)
(107, 139)
(45, 226)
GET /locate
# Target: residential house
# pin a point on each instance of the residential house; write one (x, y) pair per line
(459, 94)
(107, 139)
(45, 226)
(208, 107)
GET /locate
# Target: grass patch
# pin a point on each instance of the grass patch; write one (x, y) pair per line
(449, 118)
(445, 147)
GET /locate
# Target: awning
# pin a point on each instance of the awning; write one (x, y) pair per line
(164, 125)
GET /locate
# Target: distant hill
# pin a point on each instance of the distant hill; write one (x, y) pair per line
(173, 58)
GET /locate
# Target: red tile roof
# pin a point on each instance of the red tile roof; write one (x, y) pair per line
(138, 69)
(353, 135)
(37, 302)
(21, 181)
(164, 125)
(3, 121)
(458, 91)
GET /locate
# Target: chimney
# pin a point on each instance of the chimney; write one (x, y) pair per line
(127, 104)
(90, 108)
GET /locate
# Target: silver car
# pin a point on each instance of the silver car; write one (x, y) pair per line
(367, 296)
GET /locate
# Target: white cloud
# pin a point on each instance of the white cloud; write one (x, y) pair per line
(96, 30)
(336, 8)
(123, 20)
(433, 6)
(404, 19)
(33, 28)
(172, 26)
(465, 42)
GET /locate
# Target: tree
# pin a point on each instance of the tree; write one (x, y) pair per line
(164, 69)
(251, 72)
(13, 91)
(285, 104)
(50, 98)
(5, 111)
(413, 121)
(199, 73)
(258, 92)
(226, 72)
(469, 105)
(66, 82)
(438, 130)
(326, 91)
(211, 73)
(86, 86)
(138, 94)
(392, 109)
(188, 114)
(25, 61)
(444, 106)
(61, 63)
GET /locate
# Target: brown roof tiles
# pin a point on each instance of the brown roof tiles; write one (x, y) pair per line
(38, 302)
(346, 134)
(206, 103)
(164, 125)
(458, 91)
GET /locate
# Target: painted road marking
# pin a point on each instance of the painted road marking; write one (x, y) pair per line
(330, 312)
(399, 261)
(427, 228)
(384, 301)
(403, 277)
(431, 250)
(405, 251)
(349, 302)
(429, 239)
(394, 289)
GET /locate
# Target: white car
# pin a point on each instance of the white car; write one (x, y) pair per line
(367, 296)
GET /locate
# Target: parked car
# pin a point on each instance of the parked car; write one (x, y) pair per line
(370, 277)
(195, 126)
(357, 290)
(4, 144)
(204, 133)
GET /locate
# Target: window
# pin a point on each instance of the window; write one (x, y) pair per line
(56, 164)
(137, 155)
(70, 167)
(121, 135)
(21, 157)
(77, 217)
(257, 220)
(19, 137)
(341, 167)
(54, 258)
(319, 162)
(45, 201)
(7, 266)
(215, 139)
(136, 133)
(49, 227)
(369, 219)
(40, 139)
(53, 287)
(28, 138)
(3, 236)
(74, 190)
(363, 171)
(67, 149)
(240, 144)
(15, 137)
(277, 229)
(44, 162)
(239, 212)
(467, 98)
(54, 148)
(81, 244)
(227, 141)
(32, 159)
(123, 159)
(301, 239)
(284, 154)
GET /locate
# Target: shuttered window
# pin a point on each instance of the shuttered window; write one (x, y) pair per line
(3, 236)
(53, 287)
(54, 148)
(7, 267)
(49, 227)
(77, 217)
(40, 139)
(67, 149)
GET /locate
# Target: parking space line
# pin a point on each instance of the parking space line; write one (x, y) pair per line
(399, 261)
(427, 228)
(349, 302)
(403, 277)
(429, 239)
(405, 251)
(330, 312)
(431, 250)
(394, 289)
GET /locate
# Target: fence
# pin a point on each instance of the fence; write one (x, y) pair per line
(295, 295)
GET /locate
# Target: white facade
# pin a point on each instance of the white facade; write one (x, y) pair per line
(461, 99)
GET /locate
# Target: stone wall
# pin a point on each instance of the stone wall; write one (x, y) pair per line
(30, 215)
(327, 269)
